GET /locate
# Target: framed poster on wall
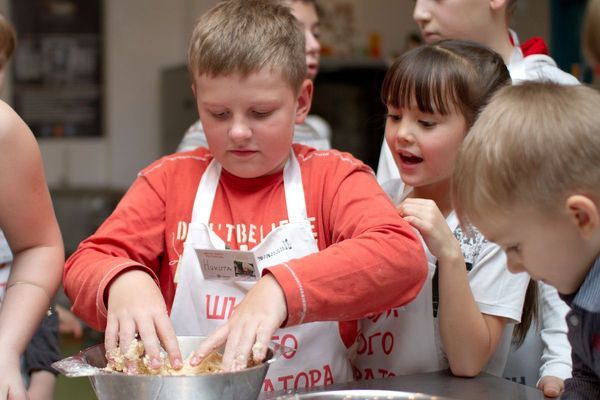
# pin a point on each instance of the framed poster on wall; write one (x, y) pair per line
(57, 67)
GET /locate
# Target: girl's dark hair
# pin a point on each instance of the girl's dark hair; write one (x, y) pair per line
(450, 75)
(529, 314)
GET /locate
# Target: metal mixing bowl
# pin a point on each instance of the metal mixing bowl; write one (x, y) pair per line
(361, 395)
(241, 385)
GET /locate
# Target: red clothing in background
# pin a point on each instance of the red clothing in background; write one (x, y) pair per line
(370, 259)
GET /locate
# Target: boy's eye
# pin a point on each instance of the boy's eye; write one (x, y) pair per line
(261, 114)
(219, 115)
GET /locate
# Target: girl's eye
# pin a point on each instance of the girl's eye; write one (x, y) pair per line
(427, 124)
(393, 117)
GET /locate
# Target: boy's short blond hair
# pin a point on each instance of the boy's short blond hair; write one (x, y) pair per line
(245, 36)
(8, 40)
(591, 32)
(532, 146)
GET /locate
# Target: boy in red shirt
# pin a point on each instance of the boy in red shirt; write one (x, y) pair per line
(322, 240)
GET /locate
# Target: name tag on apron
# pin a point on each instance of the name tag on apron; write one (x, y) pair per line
(228, 265)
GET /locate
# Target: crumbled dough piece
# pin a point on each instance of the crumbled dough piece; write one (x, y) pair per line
(135, 362)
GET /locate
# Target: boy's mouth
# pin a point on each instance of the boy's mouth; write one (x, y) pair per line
(243, 152)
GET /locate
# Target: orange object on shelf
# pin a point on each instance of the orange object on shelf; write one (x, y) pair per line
(375, 45)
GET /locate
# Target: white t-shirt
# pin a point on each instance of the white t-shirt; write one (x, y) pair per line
(495, 290)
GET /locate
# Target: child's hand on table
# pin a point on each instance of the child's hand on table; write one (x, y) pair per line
(552, 386)
(136, 305)
(250, 328)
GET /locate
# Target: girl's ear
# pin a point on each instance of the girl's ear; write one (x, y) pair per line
(584, 214)
(304, 101)
(194, 89)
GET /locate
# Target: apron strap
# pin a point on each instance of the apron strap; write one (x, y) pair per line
(294, 191)
(205, 195)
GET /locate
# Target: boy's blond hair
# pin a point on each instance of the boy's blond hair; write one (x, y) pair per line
(591, 32)
(531, 147)
(245, 36)
(8, 40)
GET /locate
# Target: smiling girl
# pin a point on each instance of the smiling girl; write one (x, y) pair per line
(464, 316)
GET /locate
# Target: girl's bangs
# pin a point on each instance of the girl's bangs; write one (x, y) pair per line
(426, 81)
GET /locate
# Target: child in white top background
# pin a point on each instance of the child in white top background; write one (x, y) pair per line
(464, 315)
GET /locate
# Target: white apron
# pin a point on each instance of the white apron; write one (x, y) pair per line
(402, 340)
(201, 305)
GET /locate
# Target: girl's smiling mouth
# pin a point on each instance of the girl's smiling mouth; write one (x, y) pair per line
(409, 158)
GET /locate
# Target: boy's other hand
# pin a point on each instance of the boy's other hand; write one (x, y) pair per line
(136, 305)
(552, 386)
(68, 323)
(249, 330)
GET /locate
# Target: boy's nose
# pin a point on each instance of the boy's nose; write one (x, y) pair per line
(312, 43)
(240, 131)
(421, 13)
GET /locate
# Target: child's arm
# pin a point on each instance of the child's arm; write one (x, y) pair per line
(469, 336)
(41, 385)
(38, 357)
(114, 278)
(28, 221)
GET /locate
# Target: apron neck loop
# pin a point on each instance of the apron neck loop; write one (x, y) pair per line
(292, 181)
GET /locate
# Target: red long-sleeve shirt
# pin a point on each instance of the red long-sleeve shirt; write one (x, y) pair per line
(369, 260)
